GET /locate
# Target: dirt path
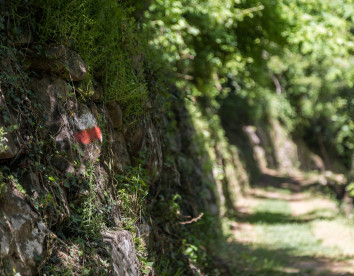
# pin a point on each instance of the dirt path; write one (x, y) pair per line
(284, 228)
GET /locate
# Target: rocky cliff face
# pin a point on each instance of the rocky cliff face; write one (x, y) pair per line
(76, 136)
(67, 160)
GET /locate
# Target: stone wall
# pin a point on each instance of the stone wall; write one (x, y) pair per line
(74, 127)
(86, 133)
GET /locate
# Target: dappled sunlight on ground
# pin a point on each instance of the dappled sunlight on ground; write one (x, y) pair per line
(284, 228)
(336, 233)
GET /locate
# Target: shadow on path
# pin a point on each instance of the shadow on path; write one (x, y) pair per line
(271, 238)
(259, 260)
(278, 218)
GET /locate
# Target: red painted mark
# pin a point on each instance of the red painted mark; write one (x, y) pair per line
(88, 136)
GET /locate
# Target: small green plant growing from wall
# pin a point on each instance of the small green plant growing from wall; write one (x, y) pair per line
(92, 216)
(3, 140)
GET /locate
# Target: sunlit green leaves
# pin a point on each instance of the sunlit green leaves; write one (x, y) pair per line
(301, 49)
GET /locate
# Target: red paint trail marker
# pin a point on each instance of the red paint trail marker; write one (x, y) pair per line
(88, 136)
(89, 131)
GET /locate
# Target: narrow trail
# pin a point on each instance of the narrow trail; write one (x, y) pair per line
(286, 226)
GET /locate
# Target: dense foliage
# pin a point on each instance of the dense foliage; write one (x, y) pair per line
(291, 60)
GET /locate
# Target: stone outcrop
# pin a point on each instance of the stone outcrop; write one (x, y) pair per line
(87, 132)
(124, 259)
(68, 121)
(22, 234)
(285, 149)
(258, 150)
(115, 113)
(61, 61)
(52, 94)
(120, 152)
(274, 148)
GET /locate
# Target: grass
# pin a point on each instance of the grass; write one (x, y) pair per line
(292, 244)
(279, 232)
